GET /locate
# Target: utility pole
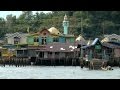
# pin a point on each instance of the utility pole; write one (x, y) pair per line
(103, 28)
(81, 25)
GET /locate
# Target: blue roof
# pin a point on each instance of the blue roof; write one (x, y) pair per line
(95, 41)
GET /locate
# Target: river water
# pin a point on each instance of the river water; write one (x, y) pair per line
(57, 72)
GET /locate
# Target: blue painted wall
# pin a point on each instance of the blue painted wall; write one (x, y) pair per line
(40, 40)
(62, 39)
(49, 39)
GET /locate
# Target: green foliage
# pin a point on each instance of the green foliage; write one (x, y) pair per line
(94, 23)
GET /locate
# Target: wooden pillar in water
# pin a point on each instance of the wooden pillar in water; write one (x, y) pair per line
(64, 61)
(59, 59)
(104, 55)
(53, 57)
(81, 53)
(72, 61)
(90, 55)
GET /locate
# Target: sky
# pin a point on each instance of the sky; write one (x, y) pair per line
(17, 13)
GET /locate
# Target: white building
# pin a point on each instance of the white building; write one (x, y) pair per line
(16, 38)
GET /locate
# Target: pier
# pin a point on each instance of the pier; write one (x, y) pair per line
(40, 61)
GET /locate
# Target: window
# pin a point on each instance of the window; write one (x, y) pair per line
(41, 54)
(65, 23)
(19, 51)
(44, 33)
(55, 40)
(43, 40)
(36, 39)
(114, 39)
(108, 51)
(0, 54)
(16, 40)
(97, 46)
(56, 53)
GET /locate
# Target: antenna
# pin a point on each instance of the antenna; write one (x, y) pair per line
(81, 24)
(103, 27)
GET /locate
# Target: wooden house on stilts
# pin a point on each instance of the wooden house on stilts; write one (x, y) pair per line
(102, 52)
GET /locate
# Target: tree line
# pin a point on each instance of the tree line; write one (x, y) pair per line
(90, 24)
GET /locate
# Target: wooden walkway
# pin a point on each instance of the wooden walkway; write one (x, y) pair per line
(40, 61)
(96, 64)
(14, 62)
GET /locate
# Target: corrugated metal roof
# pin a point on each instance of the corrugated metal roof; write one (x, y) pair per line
(115, 43)
(62, 47)
(18, 34)
(58, 47)
(109, 45)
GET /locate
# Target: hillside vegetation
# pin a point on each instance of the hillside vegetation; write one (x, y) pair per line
(94, 23)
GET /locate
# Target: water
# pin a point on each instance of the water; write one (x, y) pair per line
(57, 72)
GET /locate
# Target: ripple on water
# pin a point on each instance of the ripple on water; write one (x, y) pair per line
(57, 72)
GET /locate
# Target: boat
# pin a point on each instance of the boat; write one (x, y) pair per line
(107, 68)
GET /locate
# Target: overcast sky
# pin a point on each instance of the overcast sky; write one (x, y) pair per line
(17, 13)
